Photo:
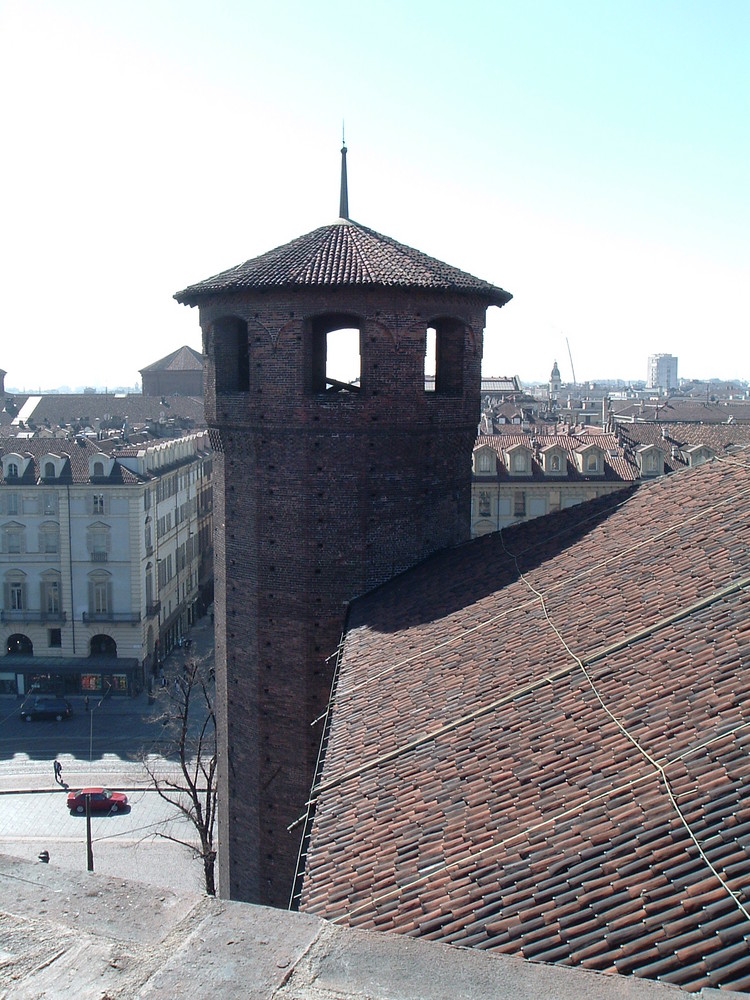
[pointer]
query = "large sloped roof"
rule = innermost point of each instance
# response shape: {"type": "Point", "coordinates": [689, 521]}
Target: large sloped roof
{"type": "Point", "coordinates": [344, 253]}
{"type": "Point", "coordinates": [54, 409]}
{"type": "Point", "coordinates": [184, 359]}
{"type": "Point", "coordinates": [539, 741]}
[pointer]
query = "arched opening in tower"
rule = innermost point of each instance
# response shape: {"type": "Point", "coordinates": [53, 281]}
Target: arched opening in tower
{"type": "Point", "coordinates": [444, 357]}
{"type": "Point", "coordinates": [230, 351]}
{"type": "Point", "coordinates": [337, 353]}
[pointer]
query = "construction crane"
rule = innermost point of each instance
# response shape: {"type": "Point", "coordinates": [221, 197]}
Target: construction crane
{"type": "Point", "coordinates": [571, 363]}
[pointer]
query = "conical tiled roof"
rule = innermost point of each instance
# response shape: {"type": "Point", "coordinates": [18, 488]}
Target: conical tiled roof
{"type": "Point", "coordinates": [342, 254]}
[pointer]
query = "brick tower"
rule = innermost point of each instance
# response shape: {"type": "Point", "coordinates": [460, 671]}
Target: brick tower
{"type": "Point", "coordinates": [325, 487]}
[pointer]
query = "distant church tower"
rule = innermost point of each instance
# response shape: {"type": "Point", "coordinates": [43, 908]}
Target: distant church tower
{"type": "Point", "coordinates": [555, 382]}
{"type": "Point", "coordinates": [326, 486]}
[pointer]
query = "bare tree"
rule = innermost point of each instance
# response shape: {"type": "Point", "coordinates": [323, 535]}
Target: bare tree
{"type": "Point", "coordinates": [189, 725]}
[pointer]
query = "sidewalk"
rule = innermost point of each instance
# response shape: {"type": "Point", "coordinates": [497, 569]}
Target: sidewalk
{"type": "Point", "coordinates": [28, 777]}
{"type": "Point", "coordinates": [24, 773]}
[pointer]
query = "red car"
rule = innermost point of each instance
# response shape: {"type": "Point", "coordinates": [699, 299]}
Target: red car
{"type": "Point", "coordinates": [102, 800]}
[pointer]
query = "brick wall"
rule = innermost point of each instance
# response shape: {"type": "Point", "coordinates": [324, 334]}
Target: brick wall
{"type": "Point", "coordinates": [319, 498]}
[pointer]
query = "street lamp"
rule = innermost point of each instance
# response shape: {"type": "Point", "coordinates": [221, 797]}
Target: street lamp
{"type": "Point", "coordinates": [91, 722]}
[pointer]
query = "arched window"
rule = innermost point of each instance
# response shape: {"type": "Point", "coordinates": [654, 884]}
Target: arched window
{"type": "Point", "coordinates": [19, 645]}
{"type": "Point", "coordinates": [98, 468]}
{"type": "Point", "coordinates": [103, 645]}
{"type": "Point", "coordinates": [444, 357]}
{"type": "Point", "coordinates": [49, 470]}
{"type": "Point", "coordinates": [336, 353]}
{"type": "Point", "coordinates": [555, 463]}
{"type": "Point", "coordinates": [592, 463]}
{"type": "Point", "coordinates": [231, 355]}
{"type": "Point", "coordinates": [12, 470]}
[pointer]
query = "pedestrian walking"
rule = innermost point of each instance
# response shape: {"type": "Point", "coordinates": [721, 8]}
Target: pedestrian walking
{"type": "Point", "coordinates": [58, 772]}
{"type": "Point", "coordinates": [86, 703]}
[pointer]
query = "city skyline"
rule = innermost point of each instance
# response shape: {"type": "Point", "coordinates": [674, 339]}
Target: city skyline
{"type": "Point", "coordinates": [587, 159]}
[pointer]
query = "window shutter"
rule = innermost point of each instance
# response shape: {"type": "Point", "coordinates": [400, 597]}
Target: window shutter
{"type": "Point", "coordinates": [91, 597]}
{"type": "Point", "coordinates": [109, 598]}
{"type": "Point", "coordinates": [24, 603]}
{"type": "Point", "coordinates": [6, 595]}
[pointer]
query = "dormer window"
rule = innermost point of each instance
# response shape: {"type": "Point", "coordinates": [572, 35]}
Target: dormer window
{"type": "Point", "coordinates": [14, 465]}
{"type": "Point", "coordinates": [553, 461]}
{"type": "Point", "coordinates": [100, 466]}
{"type": "Point", "coordinates": [518, 460]}
{"type": "Point", "coordinates": [485, 462]}
{"type": "Point", "coordinates": [590, 460]}
{"type": "Point", "coordinates": [650, 460]}
{"type": "Point", "coordinates": [698, 454]}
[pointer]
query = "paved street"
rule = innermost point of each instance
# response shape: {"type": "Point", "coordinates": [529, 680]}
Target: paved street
{"type": "Point", "coordinates": [103, 746]}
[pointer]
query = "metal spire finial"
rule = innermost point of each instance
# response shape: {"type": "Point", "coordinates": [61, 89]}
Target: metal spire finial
{"type": "Point", "coordinates": [344, 196]}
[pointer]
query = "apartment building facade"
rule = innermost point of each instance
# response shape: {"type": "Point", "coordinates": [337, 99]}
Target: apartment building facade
{"type": "Point", "coordinates": [519, 476]}
{"type": "Point", "coordinates": [105, 559]}
{"type": "Point", "coordinates": [662, 372]}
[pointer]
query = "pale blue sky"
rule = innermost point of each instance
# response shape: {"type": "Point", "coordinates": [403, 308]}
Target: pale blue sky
{"type": "Point", "coordinates": [590, 157]}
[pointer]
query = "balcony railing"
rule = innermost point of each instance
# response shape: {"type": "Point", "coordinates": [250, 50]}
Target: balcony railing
{"type": "Point", "coordinates": [153, 608]}
{"type": "Point", "coordinates": [33, 616]}
{"type": "Point", "coordinates": [99, 556]}
{"type": "Point", "coordinates": [111, 616]}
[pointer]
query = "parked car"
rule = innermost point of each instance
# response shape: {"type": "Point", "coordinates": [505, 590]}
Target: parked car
{"type": "Point", "coordinates": [102, 800]}
{"type": "Point", "coordinates": [46, 706]}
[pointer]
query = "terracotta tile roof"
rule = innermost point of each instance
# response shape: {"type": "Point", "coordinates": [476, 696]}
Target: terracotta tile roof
{"type": "Point", "coordinates": [184, 359]}
{"type": "Point", "coordinates": [683, 410]}
{"type": "Point", "coordinates": [618, 465]}
{"type": "Point", "coordinates": [343, 253]}
{"type": "Point", "coordinates": [540, 741]}
{"type": "Point", "coordinates": [722, 438]}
